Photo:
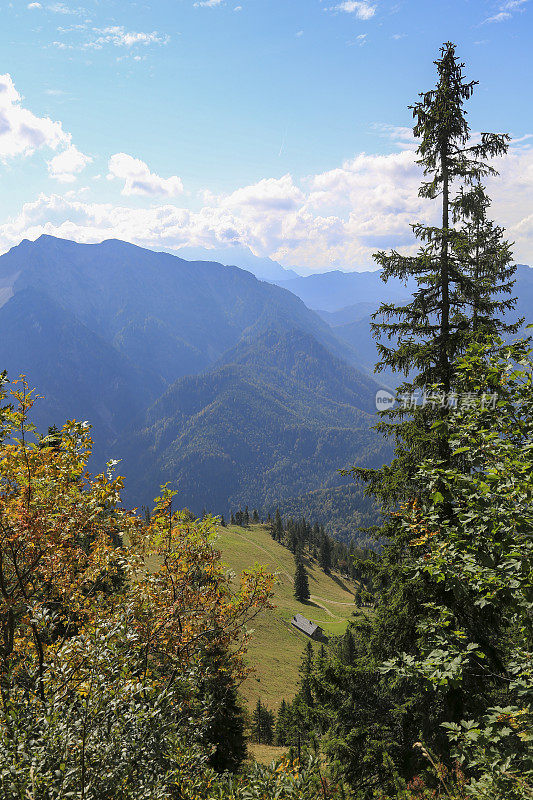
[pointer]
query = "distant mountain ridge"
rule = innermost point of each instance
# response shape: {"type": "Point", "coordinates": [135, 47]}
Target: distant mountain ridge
{"type": "Point", "coordinates": [188, 313]}
{"type": "Point", "coordinates": [334, 290]}
{"type": "Point", "coordinates": [348, 300]}
{"type": "Point", "coordinates": [237, 256]}
{"type": "Point", "coordinates": [191, 372]}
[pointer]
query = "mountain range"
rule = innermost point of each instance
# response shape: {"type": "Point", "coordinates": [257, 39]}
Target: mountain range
{"type": "Point", "coordinates": [266, 269]}
{"type": "Point", "coordinates": [195, 373]}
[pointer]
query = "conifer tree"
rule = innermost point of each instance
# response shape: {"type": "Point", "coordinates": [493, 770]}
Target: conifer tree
{"type": "Point", "coordinates": [306, 669]}
{"type": "Point", "coordinates": [277, 530]}
{"type": "Point", "coordinates": [452, 297]}
{"type": "Point", "coordinates": [324, 556]}
{"type": "Point", "coordinates": [282, 724]}
{"type": "Point", "coordinates": [348, 648]}
{"type": "Point", "coordinates": [293, 540]}
{"type": "Point", "coordinates": [226, 730]}
{"type": "Point", "coordinates": [262, 724]}
{"type": "Point", "coordinates": [257, 722]}
{"type": "Point", "coordinates": [464, 275]}
{"type": "Point", "coordinates": [301, 583]}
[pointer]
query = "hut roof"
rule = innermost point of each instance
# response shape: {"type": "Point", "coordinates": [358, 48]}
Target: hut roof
{"type": "Point", "coordinates": [305, 625]}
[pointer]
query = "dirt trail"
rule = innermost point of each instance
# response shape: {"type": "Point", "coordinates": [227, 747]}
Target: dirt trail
{"type": "Point", "coordinates": [335, 602]}
{"type": "Point", "coordinates": [272, 557]}
{"type": "Point", "coordinates": [315, 599]}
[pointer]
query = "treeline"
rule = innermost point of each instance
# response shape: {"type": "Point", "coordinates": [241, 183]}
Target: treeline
{"type": "Point", "coordinates": [242, 518]}
{"type": "Point", "coordinates": [291, 726]}
{"type": "Point", "coordinates": [345, 510]}
{"type": "Point", "coordinates": [295, 724]}
{"type": "Point", "coordinates": [301, 537]}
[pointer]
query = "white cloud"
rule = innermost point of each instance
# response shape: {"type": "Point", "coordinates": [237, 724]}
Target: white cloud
{"type": "Point", "coordinates": [361, 8]}
{"type": "Point", "coordinates": [62, 8]}
{"type": "Point", "coordinates": [34, 5]}
{"type": "Point", "coordinates": [501, 17]}
{"type": "Point", "coordinates": [21, 131]}
{"type": "Point", "coordinates": [208, 3]}
{"type": "Point", "coordinates": [66, 165]}
{"type": "Point", "coordinates": [506, 10]}
{"type": "Point", "coordinates": [334, 219]}
{"type": "Point", "coordinates": [138, 180]}
{"type": "Point", "coordinates": [399, 135]}
{"type": "Point", "coordinates": [118, 36]}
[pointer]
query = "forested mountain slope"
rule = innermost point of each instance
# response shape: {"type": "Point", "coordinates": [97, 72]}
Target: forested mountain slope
{"type": "Point", "coordinates": [80, 374]}
{"type": "Point", "coordinates": [276, 421]}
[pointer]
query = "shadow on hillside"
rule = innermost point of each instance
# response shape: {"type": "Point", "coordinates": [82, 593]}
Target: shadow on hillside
{"type": "Point", "coordinates": [312, 604]}
{"type": "Point", "coordinates": [341, 583]}
{"type": "Point", "coordinates": [309, 563]}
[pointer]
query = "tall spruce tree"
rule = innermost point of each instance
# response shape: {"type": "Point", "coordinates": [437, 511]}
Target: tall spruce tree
{"type": "Point", "coordinates": [226, 732]}
{"type": "Point", "coordinates": [301, 583]}
{"type": "Point", "coordinates": [277, 527]}
{"type": "Point", "coordinates": [324, 555]}
{"type": "Point", "coordinates": [262, 724]}
{"type": "Point", "coordinates": [282, 725]}
{"type": "Point", "coordinates": [462, 270]}
{"type": "Point", "coordinates": [306, 670]}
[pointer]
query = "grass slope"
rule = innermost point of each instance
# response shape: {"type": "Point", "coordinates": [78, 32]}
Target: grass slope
{"type": "Point", "coordinates": [276, 647]}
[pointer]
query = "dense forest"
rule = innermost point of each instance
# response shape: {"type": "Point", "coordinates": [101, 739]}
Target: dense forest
{"type": "Point", "coordinates": [123, 638]}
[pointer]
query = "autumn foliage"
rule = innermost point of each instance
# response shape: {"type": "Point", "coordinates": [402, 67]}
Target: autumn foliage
{"type": "Point", "coordinates": [107, 623]}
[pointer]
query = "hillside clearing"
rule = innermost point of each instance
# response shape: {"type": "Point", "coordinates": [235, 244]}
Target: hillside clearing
{"type": "Point", "coordinates": [276, 648]}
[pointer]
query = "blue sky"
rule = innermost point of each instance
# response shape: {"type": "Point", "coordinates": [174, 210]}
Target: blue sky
{"type": "Point", "coordinates": [279, 125]}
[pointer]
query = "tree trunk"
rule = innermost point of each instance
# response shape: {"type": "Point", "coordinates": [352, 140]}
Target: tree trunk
{"type": "Point", "coordinates": [445, 277]}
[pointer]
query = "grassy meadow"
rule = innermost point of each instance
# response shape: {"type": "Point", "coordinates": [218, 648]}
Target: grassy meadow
{"type": "Point", "coordinates": [276, 648]}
